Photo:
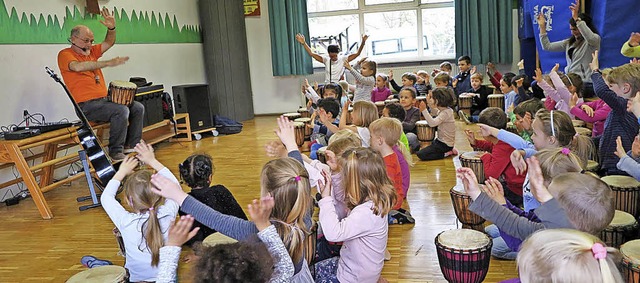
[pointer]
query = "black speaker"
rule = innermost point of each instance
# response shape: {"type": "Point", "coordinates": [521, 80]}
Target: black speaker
{"type": "Point", "coordinates": [194, 99]}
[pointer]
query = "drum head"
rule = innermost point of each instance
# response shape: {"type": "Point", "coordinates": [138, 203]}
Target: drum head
{"type": "Point", "coordinates": [472, 155]}
{"type": "Point", "coordinates": [298, 124]}
{"type": "Point", "coordinates": [422, 123]}
{"type": "Point", "coordinates": [322, 150]}
{"type": "Point", "coordinates": [621, 219]}
{"type": "Point", "coordinates": [463, 239]}
{"type": "Point", "coordinates": [123, 84]}
{"type": "Point", "coordinates": [421, 97]}
{"type": "Point", "coordinates": [496, 96]}
{"type": "Point", "coordinates": [106, 273]}
{"type": "Point", "coordinates": [291, 114]}
{"type": "Point", "coordinates": [217, 239]}
{"type": "Point", "coordinates": [303, 120]}
{"type": "Point", "coordinates": [379, 103]}
{"type": "Point", "coordinates": [631, 251]}
{"type": "Point", "coordinates": [592, 165]}
{"type": "Point", "coordinates": [620, 181]}
{"type": "Point", "coordinates": [303, 110]}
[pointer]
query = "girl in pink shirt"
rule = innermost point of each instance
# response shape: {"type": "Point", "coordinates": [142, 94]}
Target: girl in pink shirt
{"type": "Point", "coordinates": [370, 195]}
{"type": "Point", "coordinates": [381, 92]}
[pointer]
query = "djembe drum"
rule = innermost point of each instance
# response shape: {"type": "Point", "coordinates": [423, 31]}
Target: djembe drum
{"type": "Point", "coordinates": [472, 160]}
{"type": "Point", "coordinates": [577, 123]}
{"type": "Point", "coordinates": [461, 201]}
{"type": "Point", "coordinates": [307, 129]}
{"type": "Point", "coordinates": [496, 100]}
{"type": "Point", "coordinates": [623, 227]}
{"type": "Point", "coordinates": [583, 131]}
{"type": "Point", "coordinates": [592, 166]}
{"type": "Point", "coordinates": [390, 101]}
{"type": "Point", "coordinates": [512, 128]}
{"type": "Point", "coordinates": [100, 274]}
{"type": "Point", "coordinates": [631, 261]}
{"type": "Point", "coordinates": [292, 115]}
{"type": "Point", "coordinates": [122, 92]}
{"type": "Point", "coordinates": [299, 132]}
{"type": "Point", "coordinates": [627, 193]}
{"type": "Point", "coordinates": [425, 132]}
{"type": "Point", "coordinates": [465, 103]}
{"type": "Point", "coordinates": [463, 255]}
{"type": "Point", "coordinates": [349, 122]}
{"type": "Point", "coordinates": [322, 156]}
{"type": "Point", "coordinates": [420, 99]}
{"type": "Point", "coordinates": [304, 112]}
{"type": "Point", "coordinates": [217, 239]}
{"type": "Point", "coordinates": [380, 106]}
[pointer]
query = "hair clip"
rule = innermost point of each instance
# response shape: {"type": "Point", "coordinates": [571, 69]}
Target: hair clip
{"type": "Point", "coordinates": [565, 151]}
{"type": "Point", "coordinates": [298, 178]}
{"type": "Point", "coordinates": [151, 208]}
{"type": "Point", "coordinates": [599, 251]}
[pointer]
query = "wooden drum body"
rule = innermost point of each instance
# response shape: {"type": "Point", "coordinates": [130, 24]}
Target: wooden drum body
{"type": "Point", "coordinates": [627, 193]}
{"type": "Point", "coordinates": [100, 274]}
{"type": "Point", "coordinates": [623, 227]}
{"type": "Point", "coordinates": [425, 132]}
{"type": "Point", "coordinates": [631, 261]}
{"type": "Point", "coordinates": [463, 255]}
{"type": "Point", "coordinates": [465, 104]}
{"type": "Point", "coordinates": [322, 157]}
{"type": "Point", "coordinates": [349, 122]}
{"type": "Point", "coordinates": [380, 106]}
{"type": "Point", "coordinates": [578, 123]}
{"type": "Point", "coordinates": [304, 113]}
{"type": "Point", "coordinates": [307, 129]}
{"type": "Point", "coordinates": [299, 130]}
{"type": "Point", "coordinates": [461, 201]}
{"type": "Point", "coordinates": [496, 100]}
{"type": "Point", "coordinates": [472, 160]}
{"type": "Point", "coordinates": [419, 99]}
{"type": "Point", "coordinates": [122, 92]}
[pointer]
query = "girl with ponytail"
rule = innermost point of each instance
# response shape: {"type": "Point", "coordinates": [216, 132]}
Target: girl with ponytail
{"type": "Point", "coordinates": [144, 225]}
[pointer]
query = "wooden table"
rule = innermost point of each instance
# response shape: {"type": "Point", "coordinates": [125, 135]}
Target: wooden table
{"type": "Point", "coordinates": [11, 153]}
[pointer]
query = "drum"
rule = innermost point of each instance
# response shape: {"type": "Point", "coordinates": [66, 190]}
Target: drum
{"type": "Point", "coordinates": [304, 113]}
{"type": "Point", "coordinates": [217, 239]}
{"type": "Point", "coordinates": [99, 274]}
{"type": "Point", "coordinates": [583, 131]}
{"type": "Point", "coordinates": [322, 157]}
{"type": "Point", "coordinates": [299, 131]}
{"type": "Point", "coordinates": [631, 261]}
{"type": "Point", "coordinates": [122, 92]}
{"type": "Point", "coordinates": [393, 100]}
{"type": "Point", "coordinates": [425, 132]}
{"type": "Point", "coordinates": [420, 99]}
{"type": "Point", "coordinates": [623, 227]}
{"type": "Point", "coordinates": [463, 255]}
{"type": "Point", "coordinates": [380, 106]}
{"type": "Point", "coordinates": [292, 115]}
{"type": "Point", "coordinates": [496, 100]}
{"type": "Point", "coordinates": [592, 166]}
{"type": "Point", "coordinates": [461, 201]}
{"type": "Point", "coordinates": [307, 130]}
{"type": "Point", "coordinates": [627, 193]}
{"type": "Point", "coordinates": [349, 122]}
{"type": "Point", "coordinates": [472, 160]}
{"type": "Point", "coordinates": [512, 128]}
{"type": "Point", "coordinates": [465, 101]}
{"type": "Point", "coordinates": [578, 123]}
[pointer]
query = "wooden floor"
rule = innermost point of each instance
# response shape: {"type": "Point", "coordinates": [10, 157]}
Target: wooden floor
{"type": "Point", "coordinates": [36, 250]}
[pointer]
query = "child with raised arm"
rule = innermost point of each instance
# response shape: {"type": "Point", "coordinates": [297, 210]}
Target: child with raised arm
{"type": "Point", "coordinates": [408, 80]}
{"type": "Point", "coordinates": [364, 231]}
{"type": "Point", "coordinates": [333, 62]}
{"type": "Point", "coordinates": [364, 112]}
{"type": "Point", "coordinates": [423, 86]}
{"type": "Point", "coordinates": [365, 79]}
{"type": "Point", "coordinates": [144, 227]}
{"type": "Point", "coordinates": [442, 146]}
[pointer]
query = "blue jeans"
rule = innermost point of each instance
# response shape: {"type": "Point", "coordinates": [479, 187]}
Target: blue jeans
{"type": "Point", "coordinates": [499, 248]}
{"type": "Point", "coordinates": [125, 122]}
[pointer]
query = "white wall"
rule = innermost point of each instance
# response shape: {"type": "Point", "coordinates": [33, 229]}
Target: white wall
{"type": "Point", "coordinates": [25, 85]}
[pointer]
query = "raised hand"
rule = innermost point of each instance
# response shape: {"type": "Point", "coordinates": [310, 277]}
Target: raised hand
{"type": "Point", "coordinates": [491, 68]}
{"type": "Point", "coordinates": [518, 162]}
{"type": "Point", "coordinates": [493, 188]}
{"type": "Point", "coordinates": [109, 21]}
{"type": "Point", "coordinates": [275, 149]}
{"type": "Point", "coordinates": [180, 231]}
{"type": "Point", "coordinates": [473, 70]}
{"type": "Point", "coordinates": [574, 100]}
{"type": "Point", "coordinates": [594, 65]}
{"type": "Point", "coordinates": [519, 82]}
{"type": "Point", "coordinates": [542, 22]}
{"type": "Point", "coordinates": [364, 38]}
{"type": "Point", "coordinates": [126, 167]}
{"type": "Point", "coordinates": [575, 9]}
{"type": "Point", "coordinates": [521, 64]}
{"type": "Point", "coordinates": [539, 190]}
{"type": "Point", "coordinates": [286, 133]}
{"type": "Point", "coordinates": [634, 39]}
{"type": "Point", "coordinates": [470, 182]}
{"type": "Point", "coordinates": [555, 68]}
{"type": "Point", "coordinates": [471, 137]}
{"type": "Point", "coordinates": [587, 109]}
{"type": "Point", "coordinates": [620, 152]}
{"type": "Point", "coordinates": [145, 152]}
{"type": "Point", "coordinates": [331, 159]}
{"type": "Point", "coordinates": [635, 147]}
{"type": "Point", "coordinates": [538, 75]}
{"type": "Point", "coordinates": [487, 130]}
{"type": "Point", "coordinates": [117, 61]}
{"type": "Point", "coordinates": [260, 212]}
{"type": "Point", "coordinates": [324, 185]}
{"type": "Point", "coordinates": [300, 38]}
{"type": "Point", "coordinates": [422, 106]}
{"type": "Point", "coordinates": [390, 75]}
{"type": "Point", "coordinates": [347, 65]}
{"type": "Point", "coordinates": [362, 60]}
{"type": "Point", "coordinates": [166, 188]}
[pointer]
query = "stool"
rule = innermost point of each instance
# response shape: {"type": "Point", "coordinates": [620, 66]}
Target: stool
{"type": "Point", "coordinates": [183, 126]}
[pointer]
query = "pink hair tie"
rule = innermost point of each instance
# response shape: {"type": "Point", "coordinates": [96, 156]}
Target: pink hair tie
{"type": "Point", "coordinates": [565, 151]}
{"type": "Point", "coordinates": [599, 251]}
{"type": "Point", "coordinates": [151, 208]}
{"type": "Point", "coordinates": [297, 178]}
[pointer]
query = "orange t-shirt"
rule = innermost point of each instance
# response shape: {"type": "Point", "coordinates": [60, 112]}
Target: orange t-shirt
{"type": "Point", "coordinates": [395, 174]}
{"type": "Point", "coordinates": [82, 85]}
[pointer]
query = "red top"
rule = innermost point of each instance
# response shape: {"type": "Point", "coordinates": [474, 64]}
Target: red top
{"type": "Point", "coordinates": [497, 163]}
{"type": "Point", "coordinates": [83, 85]}
{"type": "Point", "coordinates": [395, 174]}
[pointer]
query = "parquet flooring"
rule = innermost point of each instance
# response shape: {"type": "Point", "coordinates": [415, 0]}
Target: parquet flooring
{"type": "Point", "coordinates": [36, 250]}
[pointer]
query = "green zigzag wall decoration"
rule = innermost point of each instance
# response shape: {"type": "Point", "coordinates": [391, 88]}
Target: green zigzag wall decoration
{"type": "Point", "coordinates": [135, 29]}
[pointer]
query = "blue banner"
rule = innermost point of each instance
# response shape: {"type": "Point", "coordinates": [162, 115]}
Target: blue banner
{"type": "Point", "coordinates": [557, 16]}
{"type": "Point", "coordinates": [525, 23]}
{"type": "Point", "coordinates": [614, 20]}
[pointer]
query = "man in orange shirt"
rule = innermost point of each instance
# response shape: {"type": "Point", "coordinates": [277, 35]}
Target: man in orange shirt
{"type": "Point", "coordinates": [83, 76]}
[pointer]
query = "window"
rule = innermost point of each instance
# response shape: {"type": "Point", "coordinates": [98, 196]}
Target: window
{"type": "Point", "coordinates": [399, 30]}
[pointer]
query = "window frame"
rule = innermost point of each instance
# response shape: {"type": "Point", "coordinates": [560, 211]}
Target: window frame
{"type": "Point", "coordinates": [414, 5]}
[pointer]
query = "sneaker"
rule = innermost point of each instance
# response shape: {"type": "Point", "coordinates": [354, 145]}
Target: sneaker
{"type": "Point", "coordinates": [387, 255]}
{"type": "Point", "coordinates": [464, 117]}
{"type": "Point", "coordinates": [452, 152]}
{"type": "Point", "coordinates": [90, 261]}
{"type": "Point", "coordinates": [128, 150]}
{"type": "Point", "coordinates": [397, 217]}
{"type": "Point", "coordinates": [117, 156]}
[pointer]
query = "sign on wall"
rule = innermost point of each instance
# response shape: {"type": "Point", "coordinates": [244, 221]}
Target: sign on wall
{"type": "Point", "coordinates": [251, 8]}
{"type": "Point", "coordinates": [134, 27]}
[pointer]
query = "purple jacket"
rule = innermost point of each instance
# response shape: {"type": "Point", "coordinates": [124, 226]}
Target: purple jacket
{"type": "Point", "coordinates": [512, 242]}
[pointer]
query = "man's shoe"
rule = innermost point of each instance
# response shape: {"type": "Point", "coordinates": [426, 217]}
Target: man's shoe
{"type": "Point", "coordinates": [117, 156]}
{"type": "Point", "coordinates": [91, 261]}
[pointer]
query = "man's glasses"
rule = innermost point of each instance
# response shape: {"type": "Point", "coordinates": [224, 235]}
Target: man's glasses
{"type": "Point", "coordinates": [85, 40]}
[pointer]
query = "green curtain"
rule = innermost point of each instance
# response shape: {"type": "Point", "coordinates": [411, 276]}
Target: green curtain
{"type": "Point", "coordinates": [286, 19]}
{"type": "Point", "coordinates": [484, 30]}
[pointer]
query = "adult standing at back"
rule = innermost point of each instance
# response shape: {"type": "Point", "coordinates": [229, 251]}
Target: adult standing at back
{"type": "Point", "coordinates": [333, 62]}
{"type": "Point", "coordinates": [82, 73]}
{"type": "Point", "coordinates": [578, 48]}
